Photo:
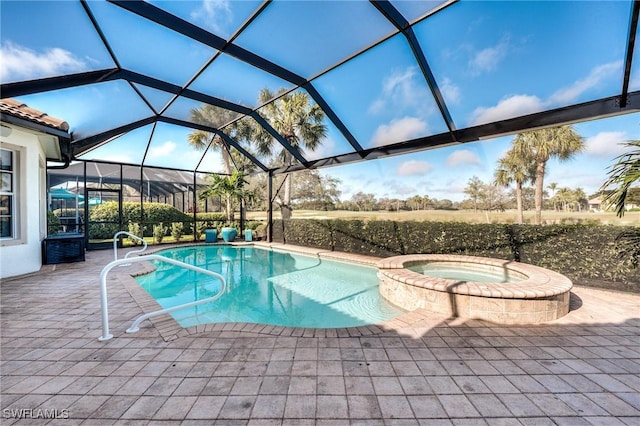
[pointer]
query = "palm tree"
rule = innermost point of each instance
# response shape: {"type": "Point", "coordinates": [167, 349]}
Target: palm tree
{"type": "Point", "coordinates": [540, 145]}
{"type": "Point", "coordinates": [216, 117]}
{"type": "Point", "coordinates": [564, 196]}
{"type": "Point", "coordinates": [622, 174]}
{"type": "Point", "coordinates": [553, 186]}
{"type": "Point", "coordinates": [300, 122]}
{"type": "Point", "coordinates": [512, 168]}
{"type": "Point", "coordinates": [231, 188]}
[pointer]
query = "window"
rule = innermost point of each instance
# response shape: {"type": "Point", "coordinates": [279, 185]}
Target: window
{"type": "Point", "coordinates": [8, 171]}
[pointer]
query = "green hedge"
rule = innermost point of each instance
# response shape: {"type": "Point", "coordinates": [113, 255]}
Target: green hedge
{"type": "Point", "coordinates": [152, 214]}
{"type": "Point", "coordinates": [589, 254]}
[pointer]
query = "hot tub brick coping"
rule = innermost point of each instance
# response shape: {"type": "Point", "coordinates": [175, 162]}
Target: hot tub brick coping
{"type": "Point", "coordinates": [540, 283]}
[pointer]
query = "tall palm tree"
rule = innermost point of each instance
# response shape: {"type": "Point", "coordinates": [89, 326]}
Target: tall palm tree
{"type": "Point", "coordinates": [300, 122]}
{"type": "Point", "coordinates": [514, 169]}
{"type": "Point", "coordinates": [216, 117]}
{"type": "Point", "coordinates": [540, 145]}
{"type": "Point", "coordinates": [622, 175]}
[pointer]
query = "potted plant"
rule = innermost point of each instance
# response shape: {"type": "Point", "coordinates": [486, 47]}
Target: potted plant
{"type": "Point", "coordinates": [230, 188]}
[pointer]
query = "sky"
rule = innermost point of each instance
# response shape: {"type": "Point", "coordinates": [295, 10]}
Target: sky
{"type": "Point", "coordinates": [443, 173]}
{"type": "Point", "coordinates": [491, 60]}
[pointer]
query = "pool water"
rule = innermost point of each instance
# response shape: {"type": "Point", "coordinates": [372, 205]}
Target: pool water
{"type": "Point", "coordinates": [268, 287]}
{"type": "Point", "coordinates": [459, 271]}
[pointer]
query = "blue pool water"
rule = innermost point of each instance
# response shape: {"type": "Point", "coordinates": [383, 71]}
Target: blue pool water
{"type": "Point", "coordinates": [268, 287]}
{"type": "Point", "coordinates": [460, 271]}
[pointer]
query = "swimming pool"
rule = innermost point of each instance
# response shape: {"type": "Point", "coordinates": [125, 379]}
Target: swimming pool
{"type": "Point", "coordinates": [268, 287]}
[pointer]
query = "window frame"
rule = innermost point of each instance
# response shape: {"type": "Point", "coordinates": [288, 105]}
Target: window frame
{"type": "Point", "coordinates": [18, 234]}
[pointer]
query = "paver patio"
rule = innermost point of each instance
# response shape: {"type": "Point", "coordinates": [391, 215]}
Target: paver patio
{"type": "Point", "coordinates": [583, 369]}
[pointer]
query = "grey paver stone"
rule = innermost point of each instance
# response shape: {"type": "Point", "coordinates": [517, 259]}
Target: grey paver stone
{"type": "Point", "coordinates": [387, 386]}
{"type": "Point", "coordinates": [302, 385]}
{"type": "Point", "coordinates": [331, 385]}
{"type": "Point", "coordinates": [237, 407]}
{"type": "Point", "coordinates": [331, 406]}
{"type": "Point", "coordinates": [363, 407]}
{"type": "Point", "coordinates": [175, 408]}
{"type": "Point", "coordinates": [551, 405]}
{"type": "Point", "coordinates": [395, 407]}
{"type": "Point", "coordinates": [458, 406]}
{"type": "Point", "coordinates": [145, 407]}
{"type": "Point", "coordinates": [206, 407]}
{"type": "Point", "coordinates": [613, 405]}
{"type": "Point", "coordinates": [300, 407]}
{"type": "Point", "coordinates": [520, 405]}
{"type": "Point", "coordinates": [427, 407]}
{"type": "Point", "coordinates": [269, 406]}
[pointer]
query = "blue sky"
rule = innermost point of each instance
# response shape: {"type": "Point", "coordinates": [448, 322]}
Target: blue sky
{"type": "Point", "coordinates": [491, 60]}
{"type": "Point", "coordinates": [443, 173]}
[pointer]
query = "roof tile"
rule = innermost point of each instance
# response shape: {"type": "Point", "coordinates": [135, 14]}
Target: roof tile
{"type": "Point", "coordinates": [18, 109]}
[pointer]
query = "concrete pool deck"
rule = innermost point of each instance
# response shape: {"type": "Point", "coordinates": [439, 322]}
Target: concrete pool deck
{"type": "Point", "coordinates": [583, 368]}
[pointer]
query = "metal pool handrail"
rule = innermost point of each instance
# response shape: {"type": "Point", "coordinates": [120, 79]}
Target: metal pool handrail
{"type": "Point", "coordinates": [130, 235]}
{"type": "Point", "coordinates": [134, 327]}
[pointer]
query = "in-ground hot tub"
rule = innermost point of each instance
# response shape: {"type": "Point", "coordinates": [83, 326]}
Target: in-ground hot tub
{"type": "Point", "coordinates": [501, 291]}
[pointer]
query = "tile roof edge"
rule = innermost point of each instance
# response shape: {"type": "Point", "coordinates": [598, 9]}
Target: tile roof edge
{"type": "Point", "coordinates": [20, 110]}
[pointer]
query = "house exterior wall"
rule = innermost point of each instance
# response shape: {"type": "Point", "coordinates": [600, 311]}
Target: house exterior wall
{"type": "Point", "coordinates": [23, 254]}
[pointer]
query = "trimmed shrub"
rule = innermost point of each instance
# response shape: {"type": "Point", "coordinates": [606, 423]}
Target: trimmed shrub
{"type": "Point", "coordinates": [492, 240]}
{"type": "Point", "coordinates": [177, 230]}
{"type": "Point", "coordinates": [134, 229]}
{"type": "Point", "coordinates": [305, 233]}
{"type": "Point", "coordinates": [199, 230]}
{"type": "Point", "coordinates": [159, 231]}
{"type": "Point", "coordinates": [589, 254]}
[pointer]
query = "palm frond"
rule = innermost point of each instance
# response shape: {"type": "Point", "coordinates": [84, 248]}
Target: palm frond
{"type": "Point", "coordinates": [622, 174]}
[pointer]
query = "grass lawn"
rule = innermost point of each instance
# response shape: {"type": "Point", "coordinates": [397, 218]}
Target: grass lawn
{"type": "Point", "coordinates": [509, 216]}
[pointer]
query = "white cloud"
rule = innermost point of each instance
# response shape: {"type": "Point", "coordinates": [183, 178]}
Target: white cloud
{"type": "Point", "coordinates": [325, 149]}
{"type": "Point", "coordinates": [606, 144]}
{"type": "Point", "coordinates": [399, 90]}
{"type": "Point", "coordinates": [21, 63]}
{"type": "Point", "coordinates": [518, 105]}
{"type": "Point", "coordinates": [462, 156]}
{"type": "Point", "coordinates": [597, 74]}
{"type": "Point", "coordinates": [450, 91]}
{"type": "Point", "coordinates": [413, 168]}
{"type": "Point", "coordinates": [488, 59]}
{"type": "Point", "coordinates": [513, 106]}
{"type": "Point", "coordinates": [377, 106]}
{"type": "Point", "coordinates": [163, 150]}
{"type": "Point", "coordinates": [214, 15]}
{"type": "Point", "coordinates": [399, 130]}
